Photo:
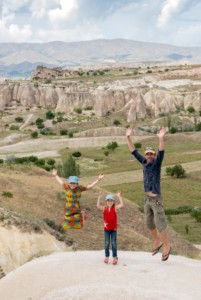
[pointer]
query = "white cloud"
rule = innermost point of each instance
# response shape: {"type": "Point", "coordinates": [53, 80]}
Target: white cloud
{"type": "Point", "coordinates": [169, 8]}
{"type": "Point", "coordinates": [162, 21]}
{"type": "Point", "coordinates": [57, 15]}
{"type": "Point", "coordinates": [39, 8]}
{"type": "Point", "coordinates": [13, 33]}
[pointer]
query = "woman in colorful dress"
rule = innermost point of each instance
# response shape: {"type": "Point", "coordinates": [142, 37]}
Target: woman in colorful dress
{"type": "Point", "coordinates": [72, 211]}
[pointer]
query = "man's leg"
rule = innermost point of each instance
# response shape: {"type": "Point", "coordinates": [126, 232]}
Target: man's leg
{"type": "Point", "coordinates": [166, 246]}
{"type": "Point", "coordinates": [149, 217]}
{"type": "Point", "coordinates": [155, 237]}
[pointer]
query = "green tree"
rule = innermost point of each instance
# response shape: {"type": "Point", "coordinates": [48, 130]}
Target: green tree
{"type": "Point", "coordinates": [39, 121]}
{"type": "Point", "coordinates": [177, 171]}
{"type": "Point", "coordinates": [112, 146]}
{"type": "Point", "coordinates": [34, 134]}
{"type": "Point", "coordinates": [173, 130]}
{"type": "Point", "coordinates": [116, 122]}
{"type": "Point", "coordinates": [68, 167]}
{"type": "Point", "coordinates": [76, 154]}
{"type": "Point", "coordinates": [19, 119]}
{"type": "Point", "coordinates": [49, 115]}
{"type": "Point", "coordinates": [138, 146]}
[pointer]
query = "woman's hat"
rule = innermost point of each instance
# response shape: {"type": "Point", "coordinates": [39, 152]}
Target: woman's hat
{"type": "Point", "coordinates": [72, 179]}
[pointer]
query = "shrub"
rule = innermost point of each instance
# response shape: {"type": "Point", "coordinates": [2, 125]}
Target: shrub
{"type": "Point", "coordinates": [191, 109]}
{"type": "Point", "coordinates": [76, 154]}
{"type": "Point", "coordinates": [198, 127]}
{"type": "Point", "coordinates": [173, 130]}
{"type": "Point", "coordinates": [179, 210]}
{"type": "Point", "coordinates": [63, 132]}
{"type": "Point", "coordinates": [19, 119]}
{"type": "Point", "coordinates": [33, 158]}
{"type": "Point", "coordinates": [88, 108]}
{"type": "Point", "coordinates": [14, 127]}
{"type": "Point", "coordinates": [116, 122]}
{"type": "Point", "coordinates": [1, 161]}
{"type": "Point", "coordinates": [51, 162]}
{"type": "Point", "coordinates": [59, 119]}
{"type": "Point", "coordinates": [40, 162]}
{"type": "Point", "coordinates": [177, 171]}
{"type": "Point", "coordinates": [7, 194]}
{"type": "Point", "coordinates": [70, 134]}
{"type": "Point", "coordinates": [40, 126]}
{"type": "Point", "coordinates": [138, 145]}
{"type": "Point", "coordinates": [78, 110]}
{"type": "Point", "coordinates": [112, 146]}
{"type": "Point", "coordinates": [196, 214]}
{"type": "Point", "coordinates": [39, 121]}
{"type": "Point", "coordinates": [34, 134]}
{"type": "Point", "coordinates": [106, 153]}
{"type": "Point", "coordinates": [49, 115]}
{"type": "Point", "coordinates": [48, 80]}
{"type": "Point", "coordinates": [186, 229]}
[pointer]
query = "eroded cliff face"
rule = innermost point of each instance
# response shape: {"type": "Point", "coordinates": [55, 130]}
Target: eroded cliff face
{"type": "Point", "coordinates": [137, 100]}
{"type": "Point", "coordinates": [21, 240]}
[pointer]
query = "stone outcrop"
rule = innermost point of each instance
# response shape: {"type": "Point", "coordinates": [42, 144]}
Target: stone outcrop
{"type": "Point", "coordinates": [22, 240]}
{"type": "Point", "coordinates": [138, 100]}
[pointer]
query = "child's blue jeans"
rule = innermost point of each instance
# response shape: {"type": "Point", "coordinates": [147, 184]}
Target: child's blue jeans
{"type": "Point", "coordinates": [110, 236]}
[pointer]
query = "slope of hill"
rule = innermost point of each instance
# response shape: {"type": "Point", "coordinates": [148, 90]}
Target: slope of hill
{"type": "Point", "coordinates": [36, 196]}
{"type": "Point", "coordinates": [14, 58]}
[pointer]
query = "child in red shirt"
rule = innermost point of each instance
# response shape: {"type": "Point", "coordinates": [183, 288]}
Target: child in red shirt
{"type": "Point", "coordinates": [110, 224]}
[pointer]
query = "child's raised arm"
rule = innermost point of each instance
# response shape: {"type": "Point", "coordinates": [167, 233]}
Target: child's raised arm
{"type": "Point", "coordinates": [121, 203]}
{"type": "Point", "coordinates": [59, 180]}
{"type": "Point", "coordinates": [99, 206]}
{"type": "Point", "coordinates": [90, 186]}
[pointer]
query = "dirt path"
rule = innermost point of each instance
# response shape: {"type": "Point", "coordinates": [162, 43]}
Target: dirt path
{"type": "Point", "coordinates": [41, 145]}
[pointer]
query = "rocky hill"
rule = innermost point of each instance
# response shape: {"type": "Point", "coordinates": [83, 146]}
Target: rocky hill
{"type": "Point", "coordinates": [148, 96]}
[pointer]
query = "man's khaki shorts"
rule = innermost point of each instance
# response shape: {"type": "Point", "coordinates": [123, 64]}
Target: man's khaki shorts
{"type": "Point", "coordinates": [154, 213]}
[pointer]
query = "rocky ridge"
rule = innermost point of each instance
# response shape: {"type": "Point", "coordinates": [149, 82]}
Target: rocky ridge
{"type": "Point", "coordinates": [138, 98]}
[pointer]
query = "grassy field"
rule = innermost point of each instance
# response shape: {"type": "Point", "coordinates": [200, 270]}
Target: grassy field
{"type": "Point", "coordinates": [176, 193]}
{"type": "Point", "coordinates": [179, 149]}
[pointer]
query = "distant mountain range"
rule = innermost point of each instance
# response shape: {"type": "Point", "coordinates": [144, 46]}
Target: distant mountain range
{"type": "Point", "coordinates": [21, 59]}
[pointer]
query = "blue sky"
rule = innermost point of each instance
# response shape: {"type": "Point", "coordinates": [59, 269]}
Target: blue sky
{"type": "Point", "coordinates": [175, 22]}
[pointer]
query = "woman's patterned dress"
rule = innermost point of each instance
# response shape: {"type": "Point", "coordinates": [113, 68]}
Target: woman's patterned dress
{"type": "Point", "coordinates": [73, 216]}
